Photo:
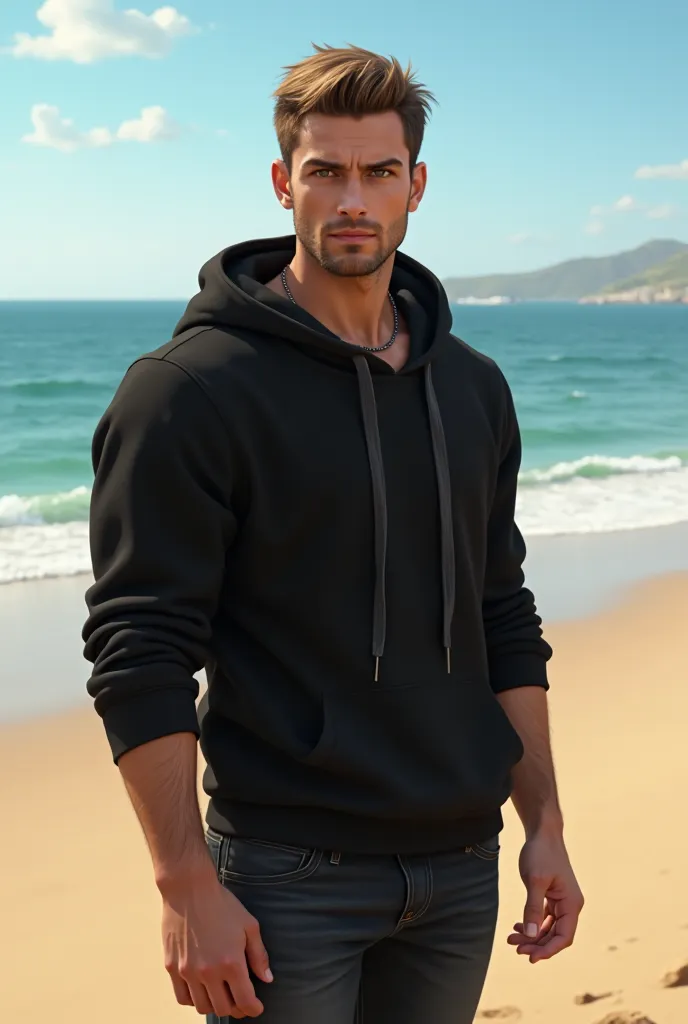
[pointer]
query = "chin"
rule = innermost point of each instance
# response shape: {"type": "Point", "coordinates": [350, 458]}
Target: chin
{"type": "Point", "coordinates": [351, 264]}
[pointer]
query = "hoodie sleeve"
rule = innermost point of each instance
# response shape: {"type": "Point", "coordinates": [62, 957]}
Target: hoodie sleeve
{"type": "Point", "coordinates": [160, 527]}
{"type": "Point", "coordinates": [517, 653]}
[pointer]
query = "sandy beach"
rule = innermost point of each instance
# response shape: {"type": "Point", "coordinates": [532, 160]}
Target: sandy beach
{"type": "Point", "coordinates": [81, 916]}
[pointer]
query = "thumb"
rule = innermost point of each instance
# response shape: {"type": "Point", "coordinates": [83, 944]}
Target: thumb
{"type": "Point", "coordinates": [256, 953]}
{"type": "Point", "coordinates": [534, 910]}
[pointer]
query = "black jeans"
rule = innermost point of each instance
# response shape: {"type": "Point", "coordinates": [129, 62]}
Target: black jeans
{"type": "Point", "coordinates": [358, 939]}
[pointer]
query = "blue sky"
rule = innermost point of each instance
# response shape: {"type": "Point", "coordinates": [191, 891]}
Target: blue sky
{"type": "Point", "coordinates": [547, 112]}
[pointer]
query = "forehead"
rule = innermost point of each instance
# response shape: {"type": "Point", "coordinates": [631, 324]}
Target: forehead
{"type": "Point", "coordinates": [374, 136]}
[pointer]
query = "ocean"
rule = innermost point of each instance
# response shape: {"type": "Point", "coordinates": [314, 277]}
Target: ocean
{"type": "Point", "coordinates": [601, 394]}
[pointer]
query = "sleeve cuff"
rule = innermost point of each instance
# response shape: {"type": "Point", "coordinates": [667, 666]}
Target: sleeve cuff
{"type": "Point", "coordinates": [515, 670]}
{"type": "Point", "coordinates": [149, 716]}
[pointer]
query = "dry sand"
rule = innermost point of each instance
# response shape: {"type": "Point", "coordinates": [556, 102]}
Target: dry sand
{"type": "Point", "coordinates": [81, 916]}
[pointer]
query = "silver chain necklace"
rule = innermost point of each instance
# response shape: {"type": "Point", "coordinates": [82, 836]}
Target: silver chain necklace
{"type": "Point", "coordinates": [361, 348]}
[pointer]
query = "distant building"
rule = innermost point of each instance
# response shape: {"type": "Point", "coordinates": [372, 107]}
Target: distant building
{"type": "Point", "coordinates": [646, 295]}
{"type": "Point", "coordinates": [493, 300]}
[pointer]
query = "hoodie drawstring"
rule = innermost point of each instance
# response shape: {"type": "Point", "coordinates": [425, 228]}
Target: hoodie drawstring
{"type": "Point", "coordinates": [377, 473]}
{"type": "Point", "coordinates": [439, 445]}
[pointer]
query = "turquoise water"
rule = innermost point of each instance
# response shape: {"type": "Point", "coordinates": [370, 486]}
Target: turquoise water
{"type": "Point", "coordinates": [601, 394]}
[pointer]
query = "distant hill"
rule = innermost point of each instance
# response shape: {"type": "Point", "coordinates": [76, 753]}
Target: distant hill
{"type": "Point", "coordinates": [672, 273]}
{"type": "Point", "coordinates": [570, 280]}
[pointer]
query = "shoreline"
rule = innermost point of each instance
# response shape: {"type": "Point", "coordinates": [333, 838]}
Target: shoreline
{"type": "Point", "coordinates": [574, 575]}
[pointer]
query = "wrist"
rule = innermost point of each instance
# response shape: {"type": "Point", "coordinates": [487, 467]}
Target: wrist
{"type": "Point", "coordinates": [192, 872]}
{"type": "Point", "coordinates": [548, 824]}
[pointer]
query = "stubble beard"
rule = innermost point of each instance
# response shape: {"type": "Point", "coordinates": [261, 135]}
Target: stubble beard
{"type": "Point", "coordinates": [352, 263]}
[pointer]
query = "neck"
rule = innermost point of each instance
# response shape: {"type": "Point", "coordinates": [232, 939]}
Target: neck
{"type": "Point", "coordinates": [356, 309]}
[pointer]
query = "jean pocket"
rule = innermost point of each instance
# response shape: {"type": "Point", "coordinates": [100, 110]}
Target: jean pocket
{"type": "Point", "coordinates": [258, 862]}
{"type": "Point", "coordinates": [487, 850]}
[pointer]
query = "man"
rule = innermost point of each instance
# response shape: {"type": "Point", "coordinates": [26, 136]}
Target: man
{"type": "Point", "coordinates": [310, 491]}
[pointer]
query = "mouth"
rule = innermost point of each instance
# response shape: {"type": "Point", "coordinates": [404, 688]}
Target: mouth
{"type": "Point", "coordinates": [353, 236]}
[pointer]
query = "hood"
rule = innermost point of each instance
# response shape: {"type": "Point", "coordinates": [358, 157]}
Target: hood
{"type": "Point", "coordinates": [233, 296]}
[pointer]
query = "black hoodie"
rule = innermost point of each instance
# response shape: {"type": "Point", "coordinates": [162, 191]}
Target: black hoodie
{"type": "Point", "coordinates": [335, 542]}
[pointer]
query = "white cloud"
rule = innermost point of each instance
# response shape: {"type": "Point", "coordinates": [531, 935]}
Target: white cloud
{"type": "Point", "coordinates": [663, 212]}
{"type": "Point", "coordinates": [154, 125]}
{"type": "Point", "coordinates": [674, 171]}
{"type": "Point", "coordinates": [222, 132]}
{"type": "Point", "coordinates": [519, 238]}
{"type": "Point", "coordinates": [56, 132]}
{"type": "Point", "coordinates": [60, 133]}
{"type": "Point", "coordinates": [594, 227]}
{"type": "Point", "coordinates": [84, 31]}
{"type": "Point", "coordinates": [625, 204]}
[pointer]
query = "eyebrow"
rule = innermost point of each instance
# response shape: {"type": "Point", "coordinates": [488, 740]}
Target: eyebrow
{"type": "Point", "coordinates": [333, 165]}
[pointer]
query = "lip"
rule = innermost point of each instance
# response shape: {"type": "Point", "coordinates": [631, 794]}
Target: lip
{"type": "Point", "coordinates": [352, 235]}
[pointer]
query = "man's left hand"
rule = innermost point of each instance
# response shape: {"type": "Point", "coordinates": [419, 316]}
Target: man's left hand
{"type": "Point", "coordinates": [554, 899]}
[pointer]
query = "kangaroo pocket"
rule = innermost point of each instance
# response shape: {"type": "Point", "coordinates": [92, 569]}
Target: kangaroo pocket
{"type": "Point", "coordinates": [434, 751]}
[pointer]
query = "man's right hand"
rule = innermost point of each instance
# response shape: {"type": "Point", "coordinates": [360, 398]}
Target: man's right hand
{"type": "Point", "coordinates": [210, 941]}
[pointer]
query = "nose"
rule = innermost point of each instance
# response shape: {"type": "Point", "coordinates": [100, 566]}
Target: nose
{"type": "Point", "coordinates": [351, 203]}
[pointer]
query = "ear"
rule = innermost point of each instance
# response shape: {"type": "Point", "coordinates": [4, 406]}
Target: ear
{"type": "Point", "coordinates": [419, 179]}
{"type": "Point", "coordinates": [281, 184]}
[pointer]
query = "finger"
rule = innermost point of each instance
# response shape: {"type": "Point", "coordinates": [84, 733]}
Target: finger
{"type": "Point", "coordinates": [535, 906]}
{"type": "Point", "coordinates": [549, 912]}
{"type": "Point", "coordinates": [221, 998]}
{"type": "Point", "coordinates": [201, 999]}
{"type": "Point", "coordinates": [243, 992]}
{"type": "Point", "coordinates": [518, 937]}
{"type": "Point", "coordinates": [527, 949]}
{"type": "Point", "coordinates": [181, 991]}
{"type": "Point", "coordinates": [567, 923]}
{"type": "Point", "coordinates": [561, 937]}
{"type": "Point", "coordinates": [547, 926]}
{"type": "Point", "coordinates": [256, 953]}
{"type": "Point", "coordinates": [550, 949]}
{"type": "Point", "coordinates": [522, 943]}
{"type": "Point", "coordinates": [519, 929]}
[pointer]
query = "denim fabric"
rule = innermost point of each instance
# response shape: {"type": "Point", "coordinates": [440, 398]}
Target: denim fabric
{"type": "Point", "coordinates": [362, 939]}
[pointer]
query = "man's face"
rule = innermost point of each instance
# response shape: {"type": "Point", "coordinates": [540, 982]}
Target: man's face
{"type": "Point", "coordinates": [351, 190]}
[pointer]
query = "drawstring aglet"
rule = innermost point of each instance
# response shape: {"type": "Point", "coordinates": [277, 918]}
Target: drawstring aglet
{"type": "Point", "coordinates": [377, 668]}
{"type": "Point", "coordinates": [449, 660]}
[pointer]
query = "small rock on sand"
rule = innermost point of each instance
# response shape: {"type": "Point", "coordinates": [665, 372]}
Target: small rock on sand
{"type": "Point", "coordinates": [509, 1013]}
{"type": "Point", "coordinates": [626, 1017]}
{"type": "Point", "coordinates": [677, 978]}
{"type": "Point", "coordinates": [588, 997]}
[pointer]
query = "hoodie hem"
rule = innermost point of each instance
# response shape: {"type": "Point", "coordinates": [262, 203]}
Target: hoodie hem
{"type": "Point", "coordinates": [325, 829]}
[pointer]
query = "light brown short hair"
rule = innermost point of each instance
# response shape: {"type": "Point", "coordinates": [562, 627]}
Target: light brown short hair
{"type": "Point", "coordinates": [349, 82]}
